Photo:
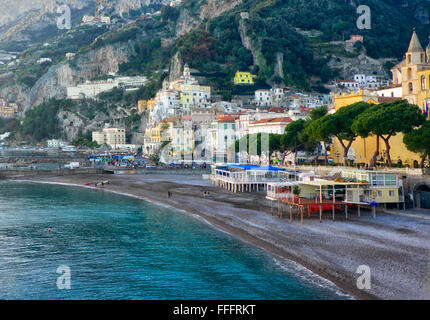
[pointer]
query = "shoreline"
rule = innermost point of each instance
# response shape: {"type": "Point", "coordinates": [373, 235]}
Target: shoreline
{"type": "Point", "coordinates": [345, 282]}
{"type": "Point", "coordinates": [235, 232]}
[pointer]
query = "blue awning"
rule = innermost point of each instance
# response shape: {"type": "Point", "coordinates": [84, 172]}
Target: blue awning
{"type": "Point", "coordinates": [255, 167]}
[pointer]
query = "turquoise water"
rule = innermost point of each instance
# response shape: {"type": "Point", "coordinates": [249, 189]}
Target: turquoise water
{"type": "Point", "coordinates": [120, 248]}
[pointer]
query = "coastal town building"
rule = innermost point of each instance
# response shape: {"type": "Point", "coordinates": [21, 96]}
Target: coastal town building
{"type": "Point", "coordinates": [113, 137]}
{"type": "Point", "coordinates": [248, 178]}
{"type": "Point", "coordinates": [153, 137]}
{"type": "Point", "coordinates": [363, 81]}
{"type": "Point", "coordinates": [55, 143]}
{"type": "Point", "coordinates": [242, 77]}
{"type": "Point", "coordinates": [393, 91]}
{"type": "Point", "coordinates": [91, 89]}
{"type": "Point", "coordinates": [270, 125]}
{"type": "Point", "coordinates": [222, 134]}
{"type": "Point", "coordinates": [182, 140]}
{"type": "Point", "coordinates": [348, 188]}
{"type": "Point", "coordinates": [263, 98]}
{"type": "Point", "coordinates": [413, 74]}
{"type": "Point", "coordinates": [8, 110]}
{"type": "Point", "coordinates": [42, 60]}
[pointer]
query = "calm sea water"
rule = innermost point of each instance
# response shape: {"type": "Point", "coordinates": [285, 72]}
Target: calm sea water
{"type": "Point", "coordinates": [120, 248]}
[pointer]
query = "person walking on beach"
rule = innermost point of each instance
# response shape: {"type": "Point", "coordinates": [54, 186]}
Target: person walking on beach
{"type": "Point", "coordinates": [169, 194]}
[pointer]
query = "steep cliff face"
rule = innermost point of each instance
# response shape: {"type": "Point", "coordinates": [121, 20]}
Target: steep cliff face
{"type": "Point", "coordinates": [120, 7]}
{"type": "Point", "coordinates": [186, 22]}
{"type": "Point", "coordinates": [208, 9]}
{"type": "Point", "coordinates": [214, 8]}
{"type": "Point", "coordinates": [12, 10]}
{"type": "Point", "coordinates": [54, 83]}
{"type": "Point", "coordinates": [176, 67]}
{"type": "Point", "coordinates": [246, 40]}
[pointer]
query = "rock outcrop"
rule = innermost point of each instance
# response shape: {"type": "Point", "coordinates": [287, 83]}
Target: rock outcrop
{"type": "Point", "coordinates": [54, 83]}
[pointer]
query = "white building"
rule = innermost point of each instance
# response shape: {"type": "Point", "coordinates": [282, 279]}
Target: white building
{"type": "Point", "coordinates": [222, 135]}
{"type": "Point", "coordinates": [363, 81]}
{"type": "Point", "coordinates": [91, 89]}
{"type": "Point", "coordinates": [55, 143]}
{"type": "Point", "coordinates": [182, 140]}
{"type": "Point", "coordinates": [243, 121]}
{"type": "Point", "coordinates": [392, 91]}
{"type": "Point", "coordinates": [166, 105]}
{"type": "Point", "coordinates": [42, 60]}
{"type": "Point", "coordinates": [263, 98]}
{"type": "Point", "coordinates": [271, 125]}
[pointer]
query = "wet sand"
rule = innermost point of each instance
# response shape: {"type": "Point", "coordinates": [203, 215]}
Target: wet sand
{"type": "Point", "coordinates": [396, 248]}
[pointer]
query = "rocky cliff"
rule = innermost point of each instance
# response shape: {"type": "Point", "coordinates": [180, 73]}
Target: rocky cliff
{"type": "Point", "coordinates": [54, 83]}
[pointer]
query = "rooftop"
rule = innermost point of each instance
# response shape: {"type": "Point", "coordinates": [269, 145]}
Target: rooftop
{"type": "Point", "coordinates": [273, 120]}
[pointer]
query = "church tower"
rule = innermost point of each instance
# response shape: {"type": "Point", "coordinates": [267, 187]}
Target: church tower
{"type": "Point", "coordinates": [415, 54]}
{"type": "Point", "coordinates": [428, 52]}
{"type": "Point", "coordinates": [415, 61]}
{"type": "Point", "coordinates": [187, 73]}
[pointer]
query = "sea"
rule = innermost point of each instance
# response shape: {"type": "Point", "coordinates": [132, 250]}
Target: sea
{"type": "Point", "coordinates": [62, 242]}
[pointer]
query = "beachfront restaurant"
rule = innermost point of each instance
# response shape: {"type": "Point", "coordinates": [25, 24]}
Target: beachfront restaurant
{"type": "Point", "coordinates": [385, 188]}
{"type": "Point", "coordinates": [248, 178]}
{"type": "Point", "coordinates": [352, 188]}
{"type": "Point", "coordinates": [315, 195]}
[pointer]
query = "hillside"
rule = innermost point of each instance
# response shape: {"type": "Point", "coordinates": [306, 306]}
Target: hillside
{"type": "Point", "coordinates": [285, 42]}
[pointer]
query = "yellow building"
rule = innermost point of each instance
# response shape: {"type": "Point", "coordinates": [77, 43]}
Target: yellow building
{"type": "Point", "coordinates": [413, 74]}
{"type": "Point", "coordinates": [244, 78]}
{"type": "Point", "coordinates": [7, 111]}
{"type": "Point", "coordinates": [110, 136]}
{"type": "Point", "coordinates": [363, 149]}
{"type": "Point", "coordinates": [145, 105]}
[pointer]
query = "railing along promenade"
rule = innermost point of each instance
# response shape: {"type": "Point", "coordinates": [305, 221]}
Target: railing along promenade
{"type": "Point", "coordinates": [328, 169]}
{"type": "Point", "coordinates": [13, 173]}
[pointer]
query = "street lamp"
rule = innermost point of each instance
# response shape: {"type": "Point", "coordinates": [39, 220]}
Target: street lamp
{"type": "Point", "coordinates": [226, 155]}
{"type": "Point", "coordinates": [337, 157]}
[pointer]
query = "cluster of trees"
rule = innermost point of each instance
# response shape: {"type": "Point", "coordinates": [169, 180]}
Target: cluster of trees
{"type": "Point", "coordinates": [337, 20]}
{"type": "Point", "coordinates": [42, 122]}
{"type": "Point", "coordinates": [85, 140]}
{"type": "Point", "coordinates": [360, 119]}
{"type": "Point", "coordinates": [418, 141]}
{"type": "Point", "coordinates": [150, 56]}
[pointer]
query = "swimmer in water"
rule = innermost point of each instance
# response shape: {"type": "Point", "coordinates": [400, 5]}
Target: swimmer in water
{"type": "Point", "coordinates": [49, 229]}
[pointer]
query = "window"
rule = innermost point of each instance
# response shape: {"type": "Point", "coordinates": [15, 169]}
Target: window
{"type": "Point", "coordinates": [225, 125]}
{"type": "Point", "coordinates": [409, 59]}
{"type": "Point", "coordinates": [411, 87]}
{"type": "Point", "coordinates": [423, 83]}
{"type": "Point", "coordinates": [391, 193]}
{"type": "Point", "coordinates": [409, 73]}
{"type": "Point", "coordinates": [379, 193]}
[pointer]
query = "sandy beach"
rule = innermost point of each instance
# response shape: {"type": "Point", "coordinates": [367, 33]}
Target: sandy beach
{"type": "Point", "coordinates": [396, 248]}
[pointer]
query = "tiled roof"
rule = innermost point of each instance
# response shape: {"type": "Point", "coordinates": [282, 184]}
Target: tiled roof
{"type": "Point", "coordinates": [388, 99]}
{"type": "Point", "coordinates": [272, 121]}
{"type": "Point", "coordinates": [276, 109]}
